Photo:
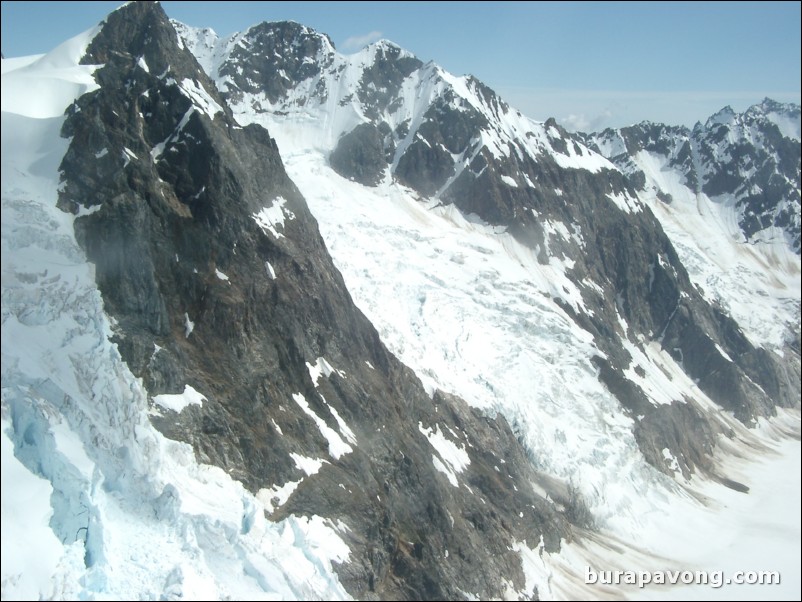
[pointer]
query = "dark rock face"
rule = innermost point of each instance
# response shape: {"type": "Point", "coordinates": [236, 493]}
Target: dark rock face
{"type": "Point", "coordinates": [360, 155]}
{"type": "Point", "coordinates": [279, 56]}
{"type": "Point", "coordinates": [428, 162]}
{"type": "Point", "coordinates": [424, 167]}
{"type": "Point", "coordinates": [214, 271]}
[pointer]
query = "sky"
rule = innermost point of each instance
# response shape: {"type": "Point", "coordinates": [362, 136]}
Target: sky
{"type": "Point", "coordinates": [588, 64]}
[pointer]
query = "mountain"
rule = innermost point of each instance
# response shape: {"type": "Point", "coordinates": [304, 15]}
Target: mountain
{"type": "Point", "coordinates": [740, 173]}
{"type": "Point", "coordinates": [384, 114]}
{"type": "Point", "coordinates": [226, 305]}
{"type": "Point", "coordinates": [749, 162]}
{"type": "Point", "coordinates": [511, 354]}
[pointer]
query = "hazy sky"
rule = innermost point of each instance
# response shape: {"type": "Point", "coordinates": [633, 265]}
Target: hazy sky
{"type": "Point", "coordinates": [589, 64]}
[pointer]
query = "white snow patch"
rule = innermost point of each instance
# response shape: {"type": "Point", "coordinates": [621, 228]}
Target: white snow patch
{"type": "Point", "coordinates": [455, 457]}
{"type": "Point", "coordinates": [624, 202]}
{"type": "Point", "coordinates": [440, 467]}
{"type": "Point", "coordinates": [270, 218]}
{"type": "Point", "coordinates": [337, 447]}
{"type": "Point", "coordinates": [322, 368]}
{"type": "Point", "coordinates": [189, 325]}
{"type": "Point", "coordinates": [673, 464]}
{"type": "Point", "coordinates": [179, 401]}
{"type": "Point", "coordinates": [509, 181]}
{"type": "Point", "coordinates": [200, 97]}
{"type": "Point", "coordinates": [273, 498]}
{"type": "Point", "coordinates": [537, 574]}
{"type": "Point", "coordinates": [587, 159]}
{"type": "Point", "coordinates": [308, 465]}
{"type": "Point", "coordinates": [128, 155]}
{"type": "Point", "coordinates": [723, 353]}
{"type": "Point", "coordinates": [344, 428]}
{"type": "Point", "coordinates": [220, 275]}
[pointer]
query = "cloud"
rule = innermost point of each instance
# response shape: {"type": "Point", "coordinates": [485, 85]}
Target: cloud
{"type": "Point", "coordinates": [358, 42]}
{"type": "Point", "coordinates": [575, 123]}
{"type": "Point", "coordinates": [581, 123]}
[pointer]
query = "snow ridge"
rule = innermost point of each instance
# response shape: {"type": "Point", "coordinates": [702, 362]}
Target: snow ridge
{"type": "Point", "coordinates": [334, 99]}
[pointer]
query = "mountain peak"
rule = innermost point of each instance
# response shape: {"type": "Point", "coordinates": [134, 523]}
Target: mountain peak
{"type": "Point", "coordinates": [142, 31]}
{"type": "Point", "coordinates": [288, 34]}
{"type": "Point", "coordinates": [768, 105]}
{"type": "Point", "coordinates": [386, 45]}
{"type": "Point", "coordinates": [751, 158]}
{"type": "Point", "coordinates": [724, 116]}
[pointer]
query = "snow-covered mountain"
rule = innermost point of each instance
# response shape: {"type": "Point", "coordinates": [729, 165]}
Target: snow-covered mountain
{"type": "Point", "coordinates": [747, 162]}
{"type": "Point", "coordinates": [727, 194]}
{"type": "Point", "coordinates": [184, 360]}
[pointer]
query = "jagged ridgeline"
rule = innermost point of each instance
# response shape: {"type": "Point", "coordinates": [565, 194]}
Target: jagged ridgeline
{"type": "Point", "coordinates": [751, 160]}
{"type": "Point", "coordinates": [215, 273]}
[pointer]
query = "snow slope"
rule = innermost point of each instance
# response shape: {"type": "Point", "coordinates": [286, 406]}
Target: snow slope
{"type": "Point", "coordinates": [727, 269]}
{"type": "Point", "coordinates": [710, 530]}
{"type": "Point", "coordinates": [96, 504]}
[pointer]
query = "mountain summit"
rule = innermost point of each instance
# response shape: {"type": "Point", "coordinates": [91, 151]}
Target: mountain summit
{"type": "Point", "coordinates": [283, 322]}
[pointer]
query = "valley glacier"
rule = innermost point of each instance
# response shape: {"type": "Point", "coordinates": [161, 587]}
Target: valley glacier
{"type": "Point", "coordinates": [470, 309]}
